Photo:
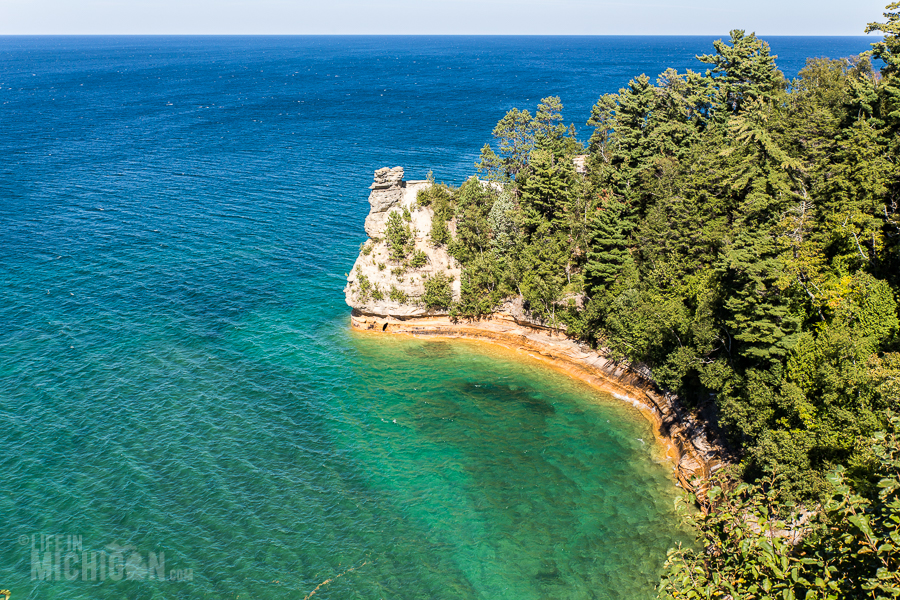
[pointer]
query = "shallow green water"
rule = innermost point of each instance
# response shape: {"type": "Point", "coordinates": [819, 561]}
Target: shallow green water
{"type": "Point", "coordinates": [542, 487]}
{"type": "Point", "coordinates": [437, 469]}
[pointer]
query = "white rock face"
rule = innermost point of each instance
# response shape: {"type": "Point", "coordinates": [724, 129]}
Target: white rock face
{"type": "Point", "coordinates": [391, 194]}
{"type": "Point", "coordinates": [387, 191]}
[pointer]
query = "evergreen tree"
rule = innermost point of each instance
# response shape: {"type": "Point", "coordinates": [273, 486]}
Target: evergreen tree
{"type": "Point", "coordinates": [546, 191]}
{"type": "Point", "coordinates": [759, 317]}
{"type": "Point", "coordinates": [608, 252]}
{"type": "Point", "coordinates": [744, 71]}
{"type": "Point", "coordinates": [888, 50]}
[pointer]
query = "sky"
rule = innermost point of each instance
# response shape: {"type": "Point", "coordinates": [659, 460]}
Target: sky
{"type": "Point", "coordinates": [523, 17]}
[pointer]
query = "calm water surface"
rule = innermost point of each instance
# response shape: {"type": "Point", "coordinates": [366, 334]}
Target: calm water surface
{"type": "Point", "coordinates": [177, 378]}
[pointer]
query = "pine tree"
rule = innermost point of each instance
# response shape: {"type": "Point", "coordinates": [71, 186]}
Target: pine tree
{"type": "Point", "coordinates": [608, 252]}
{"type": "Point", "coordinates": [744, 71]}
{"type": "Point", "coordinates": [759, 317]}
{"type": "Point", "coordinates": [888, 50]}
{"type": "Point", "coordinates": [633, 120]}
{"type": "Point", "coordinates": [546, 191]}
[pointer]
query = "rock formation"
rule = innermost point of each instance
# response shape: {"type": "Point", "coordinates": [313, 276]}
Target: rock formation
{"type": "Point", "coordinates": [378, 285]}
{"type": "Point", "coordinates": [387, 192]}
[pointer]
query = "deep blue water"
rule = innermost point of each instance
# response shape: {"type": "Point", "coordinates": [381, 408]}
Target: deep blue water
{"type": "Point", "coordinates": [176, 371]}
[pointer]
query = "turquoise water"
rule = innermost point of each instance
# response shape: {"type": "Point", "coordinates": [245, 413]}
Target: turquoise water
{"type": "Point", "coordinates": [279, 459]}
{"type": "Point", "coordinates": [180, 394]}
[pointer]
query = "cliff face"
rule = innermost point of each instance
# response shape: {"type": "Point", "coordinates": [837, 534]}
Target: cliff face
{"type": "Point", "coordinates": [378, 285]}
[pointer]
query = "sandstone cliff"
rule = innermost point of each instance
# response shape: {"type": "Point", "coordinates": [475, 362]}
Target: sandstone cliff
{"type": "Point", "coordinates": [378, 285]}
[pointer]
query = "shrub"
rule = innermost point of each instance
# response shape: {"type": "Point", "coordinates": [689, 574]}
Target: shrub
{"type": "Point", "coordinates": [398, 296]}
{"type": "Point", "coordinates": [418, 260]}
{"type": "Point", "coordinates": [434, 195]}
{"type": "Point", "coordinates": [438, 293]}
{"type": "Point", "coordinates": [441, 200]}
{"type": "Point", "coordinates": [502, 222]}
{"type": "Point", "coordinates": [749, 550]}
{"type": "Point", "coordinates": [399, 234]}
{"type": "Point", "coordinates": [440, 233]}
{"type": "Point", "coordinates": [364, 287]}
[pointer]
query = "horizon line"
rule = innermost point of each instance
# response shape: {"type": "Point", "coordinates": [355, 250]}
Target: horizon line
{"type": "Point", "coordinates": [810, 35]}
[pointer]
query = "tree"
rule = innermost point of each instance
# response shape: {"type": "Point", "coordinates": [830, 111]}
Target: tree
{"type": "Point", "coordinates": [546, 191]}
{"type": "Point", "coordinates": [549, 131]}
{"type": "Point", "coordinates": [608, 252]}
{"type": "Point", "coordinates": [888, 49]}
{"type": "Point", "coordinates": [760, 318]}
{"type": "Point", "coordinates": [744, 71]}
{"type": "Point", "coordinates": [399, 235]}
{"type": "Point", "coordinates": [472, 206]}
{"type": "Point", "coordinates": [502, 223]}
{"type": "Point", "coordinates": [603, 120]}
{"type": "Point", "coordinates": [438, 293]}
{"type": "Point", "coordinates": [515, 134]}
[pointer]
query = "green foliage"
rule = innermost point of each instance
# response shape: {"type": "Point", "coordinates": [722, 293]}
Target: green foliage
{"type": "Point", "coordinates": [398, 296]}
{"type": "Point", "coordinates": [515, 135]}
{"type": "Point", "coordinates": [889, 49]}
{"type": "Point", "coordinates": [744, 71]}
{"type": "Point", "coordinates": [608, 255]}
{"type": "Point", "coordinates": [482, 288]}
{"type": "Point", "coordinates": [440, 233]}
{"type": "Point", "coordinates": [436, 195]}
{"type": "Point", "coordinates": [438, 293]}
{"type": "Point", "coordinates": [752, 547]}
{"type": "Point", "coordinates": [440, 198]}
{"type": "Point", "coordinates": [502, 224]}
{"type": "Point", "coordinates": [419, 258]}
{"type": "Point", "coordinates": [366, 289]}
{"type": "Point", "coordinates": [545, 193]}
{"type": "Point", "coordinates": [518, 134]}
{"type": "Point", "coordinates": [399, 235]}
{"type": "Point", "coordinates": [760, 318]}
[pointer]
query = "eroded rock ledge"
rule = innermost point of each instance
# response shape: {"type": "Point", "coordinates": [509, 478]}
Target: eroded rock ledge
{"type": "Point", "coordinates": [693, 446]}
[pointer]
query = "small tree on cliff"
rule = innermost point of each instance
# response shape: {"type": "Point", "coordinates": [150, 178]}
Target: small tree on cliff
{"type": "Point", "coordinates": [438, 293]}
{"type": "Point", "coordinates": [399, 235]}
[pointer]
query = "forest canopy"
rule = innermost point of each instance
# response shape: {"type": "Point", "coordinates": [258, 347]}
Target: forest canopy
{"type": "Point", "coordinates": [736, 233]}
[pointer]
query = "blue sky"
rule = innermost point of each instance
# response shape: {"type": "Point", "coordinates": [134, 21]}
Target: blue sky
{"type": "Point", "coordinates": [591, 17]}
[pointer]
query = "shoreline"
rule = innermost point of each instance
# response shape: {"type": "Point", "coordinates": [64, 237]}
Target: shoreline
{"type": "Point", "coordinates": [681, 434]}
